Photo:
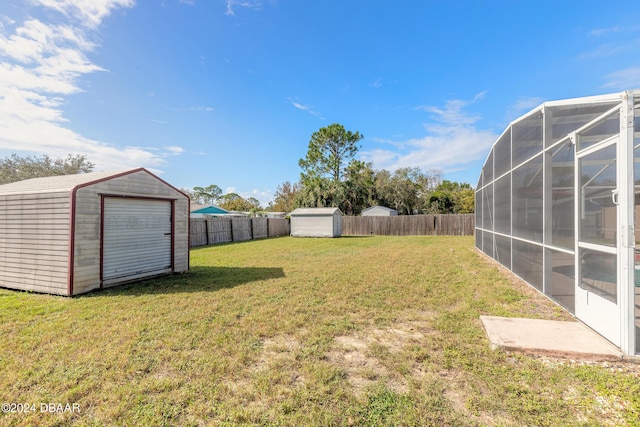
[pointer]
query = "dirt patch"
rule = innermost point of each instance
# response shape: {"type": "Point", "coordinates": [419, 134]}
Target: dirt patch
{"type": "Point", "coordinates": [281, 351]}
{"type": "Point", "coordinates": [366, 356]}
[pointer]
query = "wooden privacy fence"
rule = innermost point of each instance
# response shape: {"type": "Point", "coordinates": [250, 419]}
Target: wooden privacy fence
{"type": "Point", "coordinates": [224, 230]}
{"type": "Point", "coordinates": [409, 225]}
{"type": "Point", "coordinates": [211, 231]}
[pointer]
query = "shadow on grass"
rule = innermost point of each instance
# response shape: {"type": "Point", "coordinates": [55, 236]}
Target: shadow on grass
{"type": "Point", "coordinates": [198, 279]}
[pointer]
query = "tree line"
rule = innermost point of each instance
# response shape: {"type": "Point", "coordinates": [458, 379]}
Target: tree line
{"type": "Point", "coordinates": [212, 195]}
{"type": "Point", "coordinates": [330, 176]}
{"type": "Point", "coordinates": [17, 168]}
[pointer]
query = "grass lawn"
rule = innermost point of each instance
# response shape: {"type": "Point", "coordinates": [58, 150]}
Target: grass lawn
{"type": "Point", "coordinates": [301, 332]}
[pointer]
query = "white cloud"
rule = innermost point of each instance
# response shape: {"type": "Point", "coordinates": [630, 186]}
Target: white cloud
{"type": "Point", "coordinates": [377, 83]}
{"type": "Point", "coordinates": [624, 79]}
{"type": "Point", "coordinates": [174, 149]}
{"type": "Point", "coordinates": [89, 13]}
{"type": "Point", "coordinates": [452, 141]}
{"type": "Point", "coordinates": [40, 65]}
{"type": "Point", "coordinates": [608, 49]}
{"type": "Point", "coordinates": [522, 106]}
{"type": "Point", "coordinates": [247, 4]}
{"type": "Point", "coordinates": [599, 32]}
{"type": "Point", "coordinates": [614, 41]}
{"type": "Point", "coordinates": [263, 196]}
{"type": "Point", "coordinates": [300, 106]}
{"type": "Point", "coordinates": [309, 109]}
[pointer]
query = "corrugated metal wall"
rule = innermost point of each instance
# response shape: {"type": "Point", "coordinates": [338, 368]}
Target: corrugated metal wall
{"type": "Point", "coordinates": [34, 242]}
{"type": "Point", "coordinates": [137, 238]}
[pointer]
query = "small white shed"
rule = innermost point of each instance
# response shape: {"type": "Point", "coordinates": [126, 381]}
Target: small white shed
{"type": "Point", "coordinates": [379, 211]}
{"type": "Point", "coordinates": [316, 222]}
{"type": "Point", "coordinates": [67, 235]}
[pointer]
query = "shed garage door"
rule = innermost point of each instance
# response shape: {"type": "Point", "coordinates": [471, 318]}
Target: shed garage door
{"type": "Point", "coordinates": [136, 239]}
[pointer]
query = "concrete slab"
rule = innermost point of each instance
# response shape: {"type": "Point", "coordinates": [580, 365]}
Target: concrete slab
{"type": "Point", "coordinates": [572, 340]}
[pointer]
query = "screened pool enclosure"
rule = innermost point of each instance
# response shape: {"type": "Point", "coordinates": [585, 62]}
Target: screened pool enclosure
{"type": "Point", "coordinates": [557, 202]}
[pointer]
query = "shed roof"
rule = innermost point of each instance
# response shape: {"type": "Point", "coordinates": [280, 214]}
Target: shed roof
{"type": "Point", "coordinates": [64, 182]}
{"type": "Point", "coordinates": [384, 208]}
{"type": "Point", "coordinates": [315, 211]}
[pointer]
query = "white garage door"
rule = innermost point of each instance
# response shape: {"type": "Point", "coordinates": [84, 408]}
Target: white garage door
{"type": "Point", "coordinates": [136, 240]}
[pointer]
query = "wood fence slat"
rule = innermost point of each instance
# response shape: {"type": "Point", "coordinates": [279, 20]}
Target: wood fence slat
{"type": "Point", "coordinates": [241, 229]}
{"type": "Point", "coordinates": [219, 230]}
{"type": "Point", "coordinates": [409, 225]}
{"type": "Point", "coordinates": [212, 231]}
{"type": "Point", "coordinates": [198, 235]}
{"type": "Point", "coordinates": [260, 228]}
{"type": "Point", "coordinates": [278, 227]}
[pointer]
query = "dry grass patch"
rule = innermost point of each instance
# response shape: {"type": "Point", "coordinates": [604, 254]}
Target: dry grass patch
{"type": "Point", "coordinates": [281, 352]}
{"type": "Point", "coordinates": [367, 356]}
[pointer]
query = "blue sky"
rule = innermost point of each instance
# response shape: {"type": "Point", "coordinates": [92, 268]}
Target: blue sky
{"type": "Point", "coordinates": [228, 92]}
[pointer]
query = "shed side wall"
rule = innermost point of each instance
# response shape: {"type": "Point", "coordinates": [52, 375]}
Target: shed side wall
{"type": "Point", "coordinates": [34, 242]}
{"type": "Point", "coordinates": [337, 225]}
{"type": "Point", "coordinates": [87, 227]}
{"type": "Point", "coordinates": [312, 226]}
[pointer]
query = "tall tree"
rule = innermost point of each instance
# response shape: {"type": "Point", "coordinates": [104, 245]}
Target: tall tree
{"type": "Point", "coordinates": [207, 195]}
{"type": "Point", "coordinates": [331, 149]}
{"type": "Point", "coordinates": [16, 168]}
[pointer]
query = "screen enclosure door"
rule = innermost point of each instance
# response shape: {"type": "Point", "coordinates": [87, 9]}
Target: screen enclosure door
{"type": "Point", "coordinates": [597, 278]}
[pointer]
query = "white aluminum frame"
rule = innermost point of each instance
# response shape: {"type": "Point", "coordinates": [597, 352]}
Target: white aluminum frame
{"type": "Point", "coordinates": [625, 190]}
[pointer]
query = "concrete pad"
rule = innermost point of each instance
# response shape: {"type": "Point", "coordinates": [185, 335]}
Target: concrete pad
{"type": "Point", "coordinates": [572, 340]}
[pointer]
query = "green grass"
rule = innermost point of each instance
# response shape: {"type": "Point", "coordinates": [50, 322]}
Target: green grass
{"type": "Point", "coordinates": [370, 331]}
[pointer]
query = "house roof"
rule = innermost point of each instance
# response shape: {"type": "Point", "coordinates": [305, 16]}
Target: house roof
{"type": "Point", "coordinates": [211, 210]}
{"type": "Point", "coordinates": [316, 211]}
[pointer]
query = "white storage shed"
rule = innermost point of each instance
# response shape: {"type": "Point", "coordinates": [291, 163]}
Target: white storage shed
{"type": "Point", "coordinates": [316, 222]}
{"type": "Point", "coordinates": [67, 235]}
{"type": "Point", "coordinates": [379, 211]}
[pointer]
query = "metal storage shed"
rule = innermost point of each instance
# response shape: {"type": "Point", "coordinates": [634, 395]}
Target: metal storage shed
{"type": "Point", "coordinates": [71, 234]}
{"type": "Point", "coordinates": [379, 211]}
{"type": "Point", "coordinates": [316, 222]}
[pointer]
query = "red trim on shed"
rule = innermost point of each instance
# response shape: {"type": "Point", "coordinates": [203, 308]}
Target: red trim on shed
{"type": "Point", "coordinates": [101, 236]}
{"type": "Point", "coordinates": [72, 221]}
